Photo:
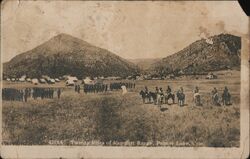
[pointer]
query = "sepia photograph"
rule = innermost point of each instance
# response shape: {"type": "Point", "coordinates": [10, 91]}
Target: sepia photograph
{"type": "Point", "coordinates": [148, 74]}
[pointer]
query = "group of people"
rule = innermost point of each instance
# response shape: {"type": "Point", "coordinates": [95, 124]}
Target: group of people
{"type": "Point", "coordinates": [96, 88]}
{"type": "Point", "coordinates": [12, 94]}
{"type": "Point", "coordinates": [100, 88]}
{"type": "Point", "coordinates": [159, 96]}
{"type": "Point", "coordinates": [118, 85]}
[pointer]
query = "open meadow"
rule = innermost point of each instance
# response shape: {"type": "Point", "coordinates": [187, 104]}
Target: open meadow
{"type": "Point", "coordinates": [116, 119]}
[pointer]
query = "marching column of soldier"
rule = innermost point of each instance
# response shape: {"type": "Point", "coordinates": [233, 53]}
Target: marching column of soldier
{"type": "Point", "coordinates": [12, 94]}
{"type": "Point", "coordinates": [159, 97]}
{"type": "Point", "coordinates": [100, 88]}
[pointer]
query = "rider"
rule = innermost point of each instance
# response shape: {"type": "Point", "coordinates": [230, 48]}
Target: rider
{"type": "Point", "coordinates": [181, 96]}
{"type": "Point", "coordinates": [161, 92]}
{"type": "Point", "coordinates": [226, 96]}
{"type": "Point", "coordinates": [215, 96]}
{"type": "Point", "coordinates": [197, 96]}
{"type": "Point", "coordinates": [146, 90]}
{"type": "Point", "coordinates": [156, 90]}
{"type": "Point", "coordinates": [196, 90]}
{"type": "Point", "coordinates": [168, 90]}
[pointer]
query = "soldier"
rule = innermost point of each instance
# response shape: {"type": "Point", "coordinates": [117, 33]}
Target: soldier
{"type": "Point", "coordinates": [226, 96]}
{"type": "Point", "coordinates": [168, 91]}
{"type": "Point", "coordinates": [26, 94]}
{"type": "Point", "coordinates": [197, 97]}
{"type": "Point", "coordinates": [106, 87]}
{"type": "Point", "coordinates": [52, 93]}
{"type": "Point", "coordinates": [59, 93]}
{"type": "Point", "coordinates": [21, 95]}
{"type": "Point", "coordinates": [161, 95]}
{"type": "Point", "coordinates": [146, 90]}
{"type": "Point", "coordinates": [158, 97]}
{"type": "Point", "coordinates": [180, 97]}
{"type": "Point", "coordinates": [215, 97]}
{"type": "Point", "coordinates": [78, 88]}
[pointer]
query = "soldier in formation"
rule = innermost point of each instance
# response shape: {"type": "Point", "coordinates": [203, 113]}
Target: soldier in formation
{"type": "Point", "coordinates": [96, 88]}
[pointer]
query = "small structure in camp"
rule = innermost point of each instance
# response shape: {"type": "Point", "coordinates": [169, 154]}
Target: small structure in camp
{"type": "Point", "coordinates": [8, 79]}
{"type": "Point", "coordinates": [34, 81]}
{"type": "Point", "coordinates": [28, 79]}
{"type": "Point", "coordinates": [70, 83]}
{"type": "Point", "coordinates": [41, 80]}
{"type": "Point", "coordinates": [87, 80]}
{"type": "Point", "coordinates": [13, 79]}
{"type": "Point", "coordinates": [71, 78]}
{"type": "Point", "coordinates": [52, 81]}
{"type": "Point", "coordinates": [211, 76]}
{"type": "Point", "coordinates": [57, 80]}
{"type": "Point", "coordinates": [22, 79]}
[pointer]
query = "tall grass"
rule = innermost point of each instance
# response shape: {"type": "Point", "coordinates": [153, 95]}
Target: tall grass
{"type": "Point", "coordinates": [118, 120]}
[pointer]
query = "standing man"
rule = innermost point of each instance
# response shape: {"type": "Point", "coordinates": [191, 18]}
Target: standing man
{"type": "Point", "coordinates": [26, 91]}
{"type": "Point", "coordinates": [59, 93]}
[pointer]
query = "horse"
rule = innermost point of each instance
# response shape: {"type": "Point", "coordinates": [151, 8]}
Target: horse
{"type": "Point", "coordinates": [226, 97]}
{"type": "Point", "coordinates": [153, 96]}
{"type": "Point", "coordinates": [197, 99]}
{"type": "Point", "coordinates": [169, 96]}
{"type": "Point", "coordinates": [180, 98]}
{"type": "Point", "coordinates": [145, 96]}
{"type": "Point", "coordinates": [215, 99]}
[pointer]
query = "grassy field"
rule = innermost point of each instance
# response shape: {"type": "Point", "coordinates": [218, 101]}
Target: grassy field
{"type": "Point", "coordinates": [123, 120]}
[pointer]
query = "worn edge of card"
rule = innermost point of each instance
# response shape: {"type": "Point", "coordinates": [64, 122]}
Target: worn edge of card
{"type": "Point", "coordinates": [148, 152]}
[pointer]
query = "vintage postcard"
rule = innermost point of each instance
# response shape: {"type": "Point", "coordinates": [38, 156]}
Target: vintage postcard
{"type": "Point", "coordinates": [124, 79]}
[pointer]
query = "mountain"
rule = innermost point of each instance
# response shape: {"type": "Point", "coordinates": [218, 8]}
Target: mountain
{"type": "Point", "coordinates": [144, 64]}
{"type": "Point", "coordinates": [68, 55]}
{"type": "Point", "coordinates": [218, 52]}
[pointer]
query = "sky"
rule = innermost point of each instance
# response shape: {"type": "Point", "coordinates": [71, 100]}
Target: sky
{"type": "Point", "coordinates": [149, 29]}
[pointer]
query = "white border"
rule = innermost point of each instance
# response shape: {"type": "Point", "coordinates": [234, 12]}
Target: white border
{"type": "Point", "coordinates": [25, 152]}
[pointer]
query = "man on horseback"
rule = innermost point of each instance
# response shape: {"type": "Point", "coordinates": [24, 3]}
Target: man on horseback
{"type": "Point", "coordinates": [215, 97]}
{"type": "Point", "coordinates": [161, 95]}
{"type": "Point", "coordinates": [147, 96]}
{"type": "Point", "coordinates": [158, 96]}
{"type": "Point", "coordinates": [226, 97]}
{"type": "Point", "coordinates": [181, 97]}
{"type": "Point", "coordinates": [197, 97]}
{"type": "Point", "coordinates": [169, 95]}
